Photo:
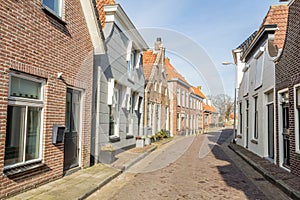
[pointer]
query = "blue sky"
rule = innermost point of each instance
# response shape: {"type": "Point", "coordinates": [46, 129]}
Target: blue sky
{"type": "Point", "coordinates": [211, 28]}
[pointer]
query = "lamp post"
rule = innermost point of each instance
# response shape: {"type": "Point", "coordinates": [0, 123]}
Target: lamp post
{"type": "Point", "coordinates": [234, 106]}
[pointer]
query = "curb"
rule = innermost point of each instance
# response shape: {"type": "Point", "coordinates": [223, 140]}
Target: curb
{"type": "Point", "coordinates": [131, 162]}
{"type": "Point", "coordinates": [277, 182]}
{"type": "Point", "coordinates": [100, 185]}
{"type": "Point", "coordinates": [125, 167]}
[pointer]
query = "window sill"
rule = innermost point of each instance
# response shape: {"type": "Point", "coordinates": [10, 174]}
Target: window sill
{"type": "Point", "coordinates": [254, 141]}
{"type": "Point", "coordinates": [23, 169]}
{"type": "Point", "coordinates": [53, 14]}
{"type": "Point", "coordinates": [129, 136]}
{"type": "Point", "coordinates": [114, 139]}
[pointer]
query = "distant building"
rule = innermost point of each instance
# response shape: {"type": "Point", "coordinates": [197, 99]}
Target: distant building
{"type": "Point", "coordinates": [196, 110]}
{"type": "Point", "coordinates": [156, 107]}
{"type": "Point", "coordinates": [179, 90]}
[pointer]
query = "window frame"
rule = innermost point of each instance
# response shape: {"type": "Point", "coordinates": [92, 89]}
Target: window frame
{"type": "Point", "coordinates": [297, 118]}
{"type": "Point", "coordinates": [61, 9]}
{"type": "Point", "coordinates": [255, 133]}
{"type": "Point", "coordinates": [27, 102]}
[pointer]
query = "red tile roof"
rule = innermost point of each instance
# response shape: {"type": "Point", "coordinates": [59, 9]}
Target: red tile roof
{"type": "Point", "coordinates": [197, 91]}
{"type": "Point", "coordinates": [100, 7]}
{"type": "Point", "coordinates": [278, 14]}
{"type": "Point", "coordinates": [209, 108]}
{"type": "Point", "coordinates": [148, 62]}
{"type": "Point", "coordinates": [171, 71]}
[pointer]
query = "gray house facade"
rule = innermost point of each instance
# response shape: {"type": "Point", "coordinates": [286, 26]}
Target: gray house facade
{"type": "Point", "coordinates": [256, 127]}
{"type": "Point", "coordinates": [119, 86]}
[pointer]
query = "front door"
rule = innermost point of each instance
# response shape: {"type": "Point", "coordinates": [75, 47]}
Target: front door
{"type": "Point", "coordinates": [247, 123]}
{"type": "Point", "coordinates": [286, 135]}
{"type": "Point", "coordinates": [271, 130]}
{"type": "Point", "coordinates": [71, 142]}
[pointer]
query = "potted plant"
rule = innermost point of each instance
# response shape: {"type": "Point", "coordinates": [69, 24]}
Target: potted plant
{"type": "Point", "coordinates": [148, 140]}
{"type": "Point", "coordinates": [107, 154]}
{"type": "Point", "coordinates": [140, 141]}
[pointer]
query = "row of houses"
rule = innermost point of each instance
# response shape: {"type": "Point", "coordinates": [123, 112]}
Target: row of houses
{"type": "Point", "coordinates": [76, 76]}
{"type": "Point", "coordinates": [268, 98]}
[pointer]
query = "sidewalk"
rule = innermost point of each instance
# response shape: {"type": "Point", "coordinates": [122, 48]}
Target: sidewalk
{"type": "Point", "coordinates": [82, 183]}
{"type": "Point", "coordinates": [284, 180]}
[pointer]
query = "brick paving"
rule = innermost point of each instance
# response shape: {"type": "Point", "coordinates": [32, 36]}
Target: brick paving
{"type": "Point", "coordinates": [214, 176]}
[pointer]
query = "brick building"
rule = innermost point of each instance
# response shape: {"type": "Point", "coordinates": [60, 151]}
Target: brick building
{"type": "Point", "coordinates": [196, 110]}
{"type": "Point", "coordinates": [45, 70]}
{"type": "Point", "coordinates": [287, 84]}
{"type": "Point", "coordinates": [179, 90]}
{"type": "Point", "coordinates": [156, 106]}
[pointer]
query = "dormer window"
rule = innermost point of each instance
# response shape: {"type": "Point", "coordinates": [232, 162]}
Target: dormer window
{"type": "Point", "coordinates": [54, 6]}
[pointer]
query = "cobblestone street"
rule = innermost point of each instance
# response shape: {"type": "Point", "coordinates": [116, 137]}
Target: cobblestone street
{"type": "Point", "coordinates": [198, 173]}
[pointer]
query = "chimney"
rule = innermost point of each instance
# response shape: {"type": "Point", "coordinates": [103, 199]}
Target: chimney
{"type": "Point", "coordinates": [157, 44]}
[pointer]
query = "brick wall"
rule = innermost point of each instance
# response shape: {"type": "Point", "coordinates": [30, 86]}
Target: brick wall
{"type": "Point", "coordinates": [35, 42]}
{"type": "Point", "coordinates": [287, 74]}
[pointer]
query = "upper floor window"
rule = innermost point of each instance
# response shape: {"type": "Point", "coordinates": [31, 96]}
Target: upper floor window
{"type": "Point", "coordinates": [55, 6]}
{"type": "Point", "coordinates": [183, 96]}
{"type": "Point", "coordinates": [178, 96]}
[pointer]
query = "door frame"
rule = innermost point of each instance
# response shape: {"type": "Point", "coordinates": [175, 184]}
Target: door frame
{"type": "Point", "coordinates": [80, 123]}
{"type": "Point", "coordinates": [280, 129]}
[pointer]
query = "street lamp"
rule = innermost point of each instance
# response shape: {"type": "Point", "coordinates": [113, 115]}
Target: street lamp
{"type": "Point", "coordinates": [234, 106]}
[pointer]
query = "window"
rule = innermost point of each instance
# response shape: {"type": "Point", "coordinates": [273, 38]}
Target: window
{"type": "Point", "coordinates": [255, 118]}
{"type": "Point", "coordinates": [130, 64]}
{"type": "Point", "coordinates": [129, 123]}
{"type": "Point", "coordinates": [160, 87]}
{"type": "Point", "coordinates": [54, 6]}
{"type": "Point", "coordinates": [178, 96]}
{"type": "Point", "coordinates": [187, 99]}
{"type": "Point", "coordinates": [258, 69]}
{"type": "Point", "coordinates": [24, 120]}
{"type": "Point", "coordinates": [183, 96]}
{"type": "Point", "coordinates": [241, 118]}
{"type": "Point", "coordinates": [149, 114]}
{"type": "Point", "coordinates": [178, 122]}
{"type": "Point", "coordinates": [113, 114]}
{"type": "Point", "coordinates": [297, 119]}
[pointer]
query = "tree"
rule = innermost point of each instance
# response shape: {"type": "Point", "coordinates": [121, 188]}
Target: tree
{"type": "Point", "coordinates": [224, 105]}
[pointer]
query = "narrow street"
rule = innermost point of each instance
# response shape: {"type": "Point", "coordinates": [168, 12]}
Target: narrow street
{"type": "Point", "coordinates": [195, 167]}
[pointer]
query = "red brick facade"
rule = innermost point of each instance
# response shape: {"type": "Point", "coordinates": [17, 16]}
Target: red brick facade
{"type": "Point", "coordinates": [35, 42]}
{"type": "Point", "coordinates": [287, 74]}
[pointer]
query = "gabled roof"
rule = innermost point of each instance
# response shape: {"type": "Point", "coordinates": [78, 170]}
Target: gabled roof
{"type": "Point", "coordinates": [278, 14]}
{"type": "Point", "coordinates": [198, 92]}
{"type": "Point", "coordinates": [247, 42]}
{"type": "Point", "coordinates": [172, 73]}
{"type": "Point", "coordinates": [148, 62]}
{"type": "Point", "coordinates": [100, 7]}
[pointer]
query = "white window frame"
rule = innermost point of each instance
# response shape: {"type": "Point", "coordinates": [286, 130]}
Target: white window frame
{"type": "Point", "coordinates": [27, 102]}
{"type": "Point", "coordinates": [60, 9]}
{"type": "Point", "coordinates": [296, 120]}
{"type": "Point", "coordinates": [183, 98]}
{"type": "Point", "coordinates": [178, 97]}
